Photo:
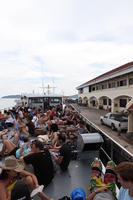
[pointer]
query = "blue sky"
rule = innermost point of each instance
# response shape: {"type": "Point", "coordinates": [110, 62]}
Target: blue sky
{"type": "Point", "coordinates": [63, 43]}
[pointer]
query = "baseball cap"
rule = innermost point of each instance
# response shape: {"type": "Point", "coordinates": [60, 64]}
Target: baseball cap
{"type": "Point", "coordinates": [78, 194]}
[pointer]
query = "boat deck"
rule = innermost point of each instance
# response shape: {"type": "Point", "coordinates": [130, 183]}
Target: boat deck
{"type": "Point", "coordinates": [77, 175]}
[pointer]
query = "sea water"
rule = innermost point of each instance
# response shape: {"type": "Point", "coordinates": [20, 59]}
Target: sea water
{"type": "Point", "coordinates": [6, 103]}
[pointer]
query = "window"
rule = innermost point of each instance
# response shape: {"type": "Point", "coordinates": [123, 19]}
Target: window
{"type": "Point", "coordinates": [55, 100]}
{"type": "Point", "coordinates": [93, 88]}
{"type": "Point", "coordinates": [104, 101]}
{"type": "Point", "coordinates": [123, 102]}
{"type": "Point", "coordinates": [97, 87]}
{"type": "Point", "coordinates": [111, 85]}
{"type": "Point", "coordinates": [110, 102]}
{"type": "Point", "coordinates": [81, 91]}
{"type": "Point", "coordinates": [122, 83]}
{"type": "Point", "coordinates": [90, 88]}
{"type": "Point", "coordinates": [36, 100]}
{"type": "Point", "coordinates": [131, 81]}
{"type": "Point", "coordinates": [104, 86]}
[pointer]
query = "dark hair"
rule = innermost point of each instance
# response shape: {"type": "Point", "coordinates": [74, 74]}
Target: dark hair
{"type": "Point", "coordinates": [51, 117]}
{"type": "Point", "coordinates": [81, 122]}
{"type": "Point", "coordinates": [62, 138]}
{"type": "Point", "coordinates": [20, 191]}
{"type": "Point", "coordinates": [38, 144]}
{"type": "Point", "coordinates": [3, 175]}
{"type": "Point", "coordinates": [30, 117]}
{"type": "Point", "coordinates": [125, 170]}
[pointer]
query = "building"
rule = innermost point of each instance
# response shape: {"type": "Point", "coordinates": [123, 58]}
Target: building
{"type": "Point", "coordinates": [111, 90]}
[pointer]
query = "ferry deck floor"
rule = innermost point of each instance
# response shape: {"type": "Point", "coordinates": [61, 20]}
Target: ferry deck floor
{"type": "Point", "coordinates": [78, 175]}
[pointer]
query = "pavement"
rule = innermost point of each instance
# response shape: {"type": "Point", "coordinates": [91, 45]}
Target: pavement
{"type": "Point", "coordinates": [93, 115]}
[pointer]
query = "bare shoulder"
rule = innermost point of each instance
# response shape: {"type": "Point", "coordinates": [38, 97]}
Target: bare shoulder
{"type": "Point", "coordinates": [3, 194]}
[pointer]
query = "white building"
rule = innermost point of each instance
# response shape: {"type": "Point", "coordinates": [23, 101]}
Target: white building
{"type": "Point", "coordinates": [111, 90]}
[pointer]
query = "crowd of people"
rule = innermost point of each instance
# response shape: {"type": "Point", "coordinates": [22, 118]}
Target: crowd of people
{"type": "Point", "coordinates": [44, 140]}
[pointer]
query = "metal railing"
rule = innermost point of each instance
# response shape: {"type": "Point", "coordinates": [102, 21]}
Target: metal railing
{"type": "Point", "coordinates": [111, 149]}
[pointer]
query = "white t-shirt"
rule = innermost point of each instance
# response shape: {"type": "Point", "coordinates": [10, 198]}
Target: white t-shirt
{"type": "Point", "coordinates": [35, 120]}
{"type": "Point", "coordinates": [107, 195]}
{"type": "Point", "coordinates": [21, 114]}
{"type": "Point", "coordinates": [124, 194]}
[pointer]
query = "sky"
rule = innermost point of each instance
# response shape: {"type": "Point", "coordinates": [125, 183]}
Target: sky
{"type": "Point", "coordinates": [61, 43]}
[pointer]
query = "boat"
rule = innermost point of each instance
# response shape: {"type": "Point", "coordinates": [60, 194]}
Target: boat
{"type": "Point", "coordinates": [90, 145]}
{"type": "Point", "coordinates": [41, 101]}
{"type": "Point", "coordinates": [94, 144]}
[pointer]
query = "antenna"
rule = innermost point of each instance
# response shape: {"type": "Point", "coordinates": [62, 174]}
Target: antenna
{"type": "Point", "coordinates": [53, 87]}
{"type": "Point", "coordinates": [42, 81]}
{"type": "Point", "coordinates": [48, 89]}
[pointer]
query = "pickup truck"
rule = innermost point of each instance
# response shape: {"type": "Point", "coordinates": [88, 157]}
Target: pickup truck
{"type": "Point", "coordinates": [115, 121]}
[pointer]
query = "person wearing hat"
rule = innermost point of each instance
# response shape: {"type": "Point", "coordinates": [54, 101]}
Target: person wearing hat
{"type": "Point", "coordinates": [12, 170]}
{"type": "Point", "coordinates": [78, 194]}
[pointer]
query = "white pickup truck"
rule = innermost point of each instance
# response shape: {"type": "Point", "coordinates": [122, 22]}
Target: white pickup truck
{"type": "Point", "coordinates": [115, 121]}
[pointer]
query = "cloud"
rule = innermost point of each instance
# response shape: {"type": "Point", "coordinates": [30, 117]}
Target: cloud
{"type": "Point", "coordinates": [61, 43]}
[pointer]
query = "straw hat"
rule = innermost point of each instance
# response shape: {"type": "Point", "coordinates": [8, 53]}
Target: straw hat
{"type": "Point", "coordinates": [11, 163]}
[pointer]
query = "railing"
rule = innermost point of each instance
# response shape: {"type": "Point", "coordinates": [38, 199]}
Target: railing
{"type": "Point", "coordinates": [110, 148]}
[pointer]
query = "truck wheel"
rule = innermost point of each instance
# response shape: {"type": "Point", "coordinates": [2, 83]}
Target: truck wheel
{"type": "Point", "coordinates": [112, 127]}
{"type": "Point", "coordinates": [102, 122]}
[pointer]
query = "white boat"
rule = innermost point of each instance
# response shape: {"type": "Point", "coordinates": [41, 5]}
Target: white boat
{"type": "Point", "coordinates": [41, 101]}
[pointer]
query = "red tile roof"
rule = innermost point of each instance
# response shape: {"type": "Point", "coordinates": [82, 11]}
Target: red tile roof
{"type": "Point", "coordinates": [122, 67]}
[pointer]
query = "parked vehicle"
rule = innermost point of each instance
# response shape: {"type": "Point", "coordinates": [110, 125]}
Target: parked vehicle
{"type": "Point", "coordinates": [115, 121]}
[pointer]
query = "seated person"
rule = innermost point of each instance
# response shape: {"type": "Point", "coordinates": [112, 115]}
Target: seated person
{"type": "Point", "coordinates": [23, 132]}
{"type": "Point", "coordinates": [12, 171]}
{"type": "Point", "coordinates": [9, 120]}
{"type": "Point", "coordinates": [23, 150]}
{"type": "Point", "coordinates": [53, 126]}
{"type": "Point", "coordinates": [21, 191]}
{"type": "Point", "coordinates": [102, 189]}
{"type": "Point", "coordinates": [30, 125]}
{"type": "Point", "coordinates": [78, 193]}
{"type": "Point", "coordinates": [124, 173]}
{"type": "Point", "coordinates": [64, 157]}
{"type": "Point", "coordinates": [9, 148]}
{"type": "Point", "coordinates": [55, 145]}
{"type": "Point", "coordinates": [82, 127]}
{"type": "Point", "coordinates": [41, 161]}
